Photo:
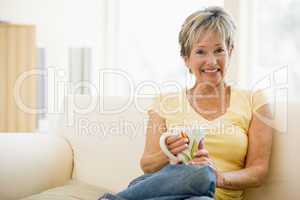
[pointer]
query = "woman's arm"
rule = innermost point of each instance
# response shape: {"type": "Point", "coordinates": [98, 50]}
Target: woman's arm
{"type": "Point", "coordinates": [258, 155]}
{"type": "Point", "coordinates": [153, 158]}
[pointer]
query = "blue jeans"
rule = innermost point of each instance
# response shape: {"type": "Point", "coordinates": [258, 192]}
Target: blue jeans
{"type": "Point", "coordinates": [173, 182]}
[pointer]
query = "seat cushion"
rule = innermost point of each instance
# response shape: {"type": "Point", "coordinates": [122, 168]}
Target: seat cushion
{"type": "Point", "coordinates": [73, 190]}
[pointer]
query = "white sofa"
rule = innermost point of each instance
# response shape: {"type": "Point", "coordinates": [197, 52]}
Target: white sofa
{"type": "Point", "coordinates": [91, 152]}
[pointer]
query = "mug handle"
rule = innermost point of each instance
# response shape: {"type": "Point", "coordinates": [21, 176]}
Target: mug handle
{"type": "Point", "coordinates": [163, 145]}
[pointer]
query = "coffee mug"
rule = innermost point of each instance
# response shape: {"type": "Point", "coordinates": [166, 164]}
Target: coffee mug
{"type": "Point", "coordinates": [194, 137]}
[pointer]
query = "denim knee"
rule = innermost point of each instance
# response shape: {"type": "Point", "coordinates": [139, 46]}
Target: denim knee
{"type": "Point", "coordinates": [139, 179]}
{"type": "Point", "coordinates": [203, 180]}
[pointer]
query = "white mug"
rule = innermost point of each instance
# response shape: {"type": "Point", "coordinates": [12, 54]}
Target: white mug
{"type": "Point", "coordinates": [194, 135]}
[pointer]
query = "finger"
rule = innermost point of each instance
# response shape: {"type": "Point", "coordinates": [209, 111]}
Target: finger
{"type": "Point", "coordinates": [202, 162]}
{"type": "Point", "coordinates": [179, 149]}
{"type": "Point", "coordinates": [201, 159]}
{"type": "Point", "coordinates": [178, 143]}
{"type": "Point", "coordinates": [201, 144]}
{"type": "Point", "coordinates": [202, 152]}
{"type": "Point", "coordinates": [172, 139]}
{"type": "Point", "coordinates": [199, 162]}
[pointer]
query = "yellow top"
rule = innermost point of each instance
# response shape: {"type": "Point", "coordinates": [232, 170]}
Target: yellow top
{"type": "Point", "coordinates": [226, 136]}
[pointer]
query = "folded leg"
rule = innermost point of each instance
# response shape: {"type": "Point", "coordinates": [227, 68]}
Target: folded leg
{"type": "Point", "coordinates": [182, 181]}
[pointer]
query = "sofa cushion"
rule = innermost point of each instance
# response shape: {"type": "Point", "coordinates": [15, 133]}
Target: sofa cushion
{"type": "Point", "coordinates": [31, 163]}
{"type": "Point", "coordinates": [107, 142]}
{"type": "Point", "coordinates": [73, 190]}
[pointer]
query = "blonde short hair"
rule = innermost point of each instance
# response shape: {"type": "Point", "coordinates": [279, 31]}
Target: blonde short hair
{"type": "Point", "coordinates": [210, 19]}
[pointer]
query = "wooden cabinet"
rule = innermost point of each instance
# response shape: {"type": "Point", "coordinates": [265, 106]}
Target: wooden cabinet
{"type": "Point", "coordinates": [17, 57]}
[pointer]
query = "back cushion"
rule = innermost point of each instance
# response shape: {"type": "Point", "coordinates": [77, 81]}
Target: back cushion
{"type": "Point", "coordinates": [107, 138]}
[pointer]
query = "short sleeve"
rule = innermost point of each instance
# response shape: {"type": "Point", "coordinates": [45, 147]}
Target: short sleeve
{"type": "Point", "coordinates": [155, 106]}
{"type": "Point", "coordinates": [258, 99]}
{"type": "Point", "coordinates": [166, 105]}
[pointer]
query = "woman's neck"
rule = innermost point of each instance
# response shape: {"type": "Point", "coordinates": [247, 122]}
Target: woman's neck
{"type": "Point", "coordinates": [200, 89]}
{"type": "Point", "coordinates": [211, 99]}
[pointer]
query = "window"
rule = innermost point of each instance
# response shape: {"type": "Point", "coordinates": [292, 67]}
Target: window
{"type": "Point", "coordinates": [276, 43]}
{"type": "Point", "coordinates": [79, 68]}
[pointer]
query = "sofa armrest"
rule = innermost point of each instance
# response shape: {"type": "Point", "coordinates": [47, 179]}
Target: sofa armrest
{"type": "Point", "coordinates": [31, 163]}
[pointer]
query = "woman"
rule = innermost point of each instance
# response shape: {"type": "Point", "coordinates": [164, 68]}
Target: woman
{"type": "Point", "coordinates": [237, 143]}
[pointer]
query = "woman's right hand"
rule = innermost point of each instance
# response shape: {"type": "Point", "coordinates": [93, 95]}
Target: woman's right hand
{"type": "Point", "coordinates": [176, 144]}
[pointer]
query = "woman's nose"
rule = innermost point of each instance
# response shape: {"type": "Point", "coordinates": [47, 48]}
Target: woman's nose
{"type": "Point", "coordinates": [211, 60]}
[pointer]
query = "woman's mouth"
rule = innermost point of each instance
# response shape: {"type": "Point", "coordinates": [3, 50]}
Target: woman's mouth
{"type": "Point", "coordinates": [214, 70]}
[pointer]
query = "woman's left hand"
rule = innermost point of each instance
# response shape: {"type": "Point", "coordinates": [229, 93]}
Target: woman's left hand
{"type": "Point", "coordinates": [202, 158]}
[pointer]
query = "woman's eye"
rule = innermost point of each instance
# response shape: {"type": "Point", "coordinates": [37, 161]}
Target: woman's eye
{"type": "Point", "coordinates": [200, 52]}
{"type": "Point", "coordinates": [220, 50]}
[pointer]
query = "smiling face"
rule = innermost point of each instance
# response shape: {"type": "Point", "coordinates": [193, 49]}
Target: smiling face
{"type": "Point", "coordinates": [208, 59]}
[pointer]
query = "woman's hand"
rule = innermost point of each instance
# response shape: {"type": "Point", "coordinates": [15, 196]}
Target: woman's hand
{"type": "Point", "coordinates": [176, 144]}
{"type": "Point", "coordinates": [202, 158]}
